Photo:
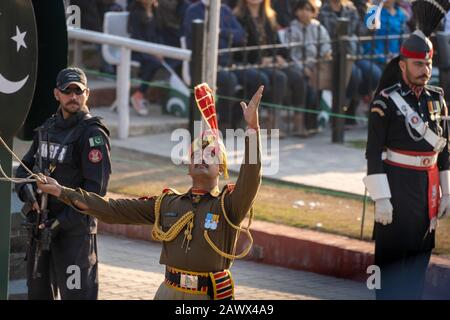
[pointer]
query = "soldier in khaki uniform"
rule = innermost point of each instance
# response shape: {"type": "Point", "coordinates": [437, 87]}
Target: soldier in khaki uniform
{"type": "Point", "coordinates": [198, 228]}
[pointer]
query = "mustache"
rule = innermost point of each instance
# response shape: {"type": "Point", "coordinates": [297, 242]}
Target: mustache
{"type": "Point", "coordinates": [202, 164]}
{"type": "Point", "coordinates": [72, 102]}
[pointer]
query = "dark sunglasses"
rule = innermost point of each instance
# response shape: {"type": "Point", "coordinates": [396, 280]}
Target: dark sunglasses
{"type": "Point", "coordinates": [78, 91]}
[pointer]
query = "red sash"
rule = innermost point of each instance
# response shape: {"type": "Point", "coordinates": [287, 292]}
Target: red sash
{"type": "Point", "coordinates": [433, 180]}
{"type": "Point", "coordinates": [433, 192]}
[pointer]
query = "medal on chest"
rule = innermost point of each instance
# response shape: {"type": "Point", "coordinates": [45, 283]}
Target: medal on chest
{"type": "Point", "coordinates": [434, 108]}
{"type": "Point", "coordinates": [211, 221]}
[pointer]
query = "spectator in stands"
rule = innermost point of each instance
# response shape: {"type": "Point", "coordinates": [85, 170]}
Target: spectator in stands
{"type": "Point", "coordinates": [230, 3]}
{"type": "Point", "coordinates": [231, 34]}
{"type": "Point", "coordinates": [90, 15]}
{"type": "Point", "coordinates": [169, 15]}
{"type": "Point", "coordinates": [142, 26]}
{"type": "Point", "coordinates": [406, 5]}
{"type": "Point", "coordinates": [308, 31]}
{"type": "Point", "coordinates": [447, 22]}
{"type": "Point", "coordinates": [362, 6]}
{"type": "Point", "coordinates": [107, 6]}
{"type": "Point", "coordinates": [328, 16]}
{"type": "Point", "coordinates": [393, 22]}
{"type": "Point", "coordinates": [129, 3]}
{"type": "Point", "coordinates": [285, 12]}
{"type": "Point", "coordinates": [369, 76]}
{"type": "Point", "coordinates": [103, 7]}
{"type": "Point", "coordinates": [259, 20]}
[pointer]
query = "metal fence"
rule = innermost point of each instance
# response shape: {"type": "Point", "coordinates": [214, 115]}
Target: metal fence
{"type": "Point", "coordinates": [335, 68]}
{"type": "Point", "coordinates": [331, 73]}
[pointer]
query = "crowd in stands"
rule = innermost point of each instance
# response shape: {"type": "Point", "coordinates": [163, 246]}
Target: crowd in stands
{"type": "Point", "coordinates": [288, 73]}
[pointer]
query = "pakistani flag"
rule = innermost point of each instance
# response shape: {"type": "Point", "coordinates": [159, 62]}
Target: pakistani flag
{"type": "Point", "coordinates": [96, 141]}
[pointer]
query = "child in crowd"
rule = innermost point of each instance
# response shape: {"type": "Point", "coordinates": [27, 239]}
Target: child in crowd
{"type": "Point", "coordinates": [314, 38]}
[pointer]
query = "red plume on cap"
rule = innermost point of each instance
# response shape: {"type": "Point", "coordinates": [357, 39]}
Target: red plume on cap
{"type": "Point", "coordinates": [211, 137]}
{"type": "Point", "coordinates": [206, 105]}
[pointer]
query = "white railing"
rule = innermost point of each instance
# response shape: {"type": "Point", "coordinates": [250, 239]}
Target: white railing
{"type": "Point", "coordinates": [126, 45]}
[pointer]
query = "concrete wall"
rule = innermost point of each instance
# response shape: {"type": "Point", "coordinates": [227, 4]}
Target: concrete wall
{"type": "Point", "coordinates": [311, 251]}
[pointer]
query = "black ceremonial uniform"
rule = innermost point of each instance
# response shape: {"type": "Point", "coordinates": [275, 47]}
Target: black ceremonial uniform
{"type": "Point", "coordinates": [408, 236]}
{"type": "Point", "coordinates": [82, 161]}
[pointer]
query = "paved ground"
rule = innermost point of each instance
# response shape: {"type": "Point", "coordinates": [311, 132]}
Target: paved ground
{"type": "Point", "coordinates": [314, 161]}
{"type": "Point", "coordinates": [129, 269]}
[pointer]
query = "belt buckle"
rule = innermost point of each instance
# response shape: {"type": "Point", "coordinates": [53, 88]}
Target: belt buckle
{"type": "Point", "coordinates": [426, 161]}
{"type": "Point", "coordinates": [188, 281]}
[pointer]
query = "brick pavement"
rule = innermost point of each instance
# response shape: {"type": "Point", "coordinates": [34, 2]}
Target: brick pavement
{"type": "Point", "coordinates": [129, 269]}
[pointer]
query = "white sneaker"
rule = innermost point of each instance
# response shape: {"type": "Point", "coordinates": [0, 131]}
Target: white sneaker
{"type": "Point", "coordinates": [140, 105]}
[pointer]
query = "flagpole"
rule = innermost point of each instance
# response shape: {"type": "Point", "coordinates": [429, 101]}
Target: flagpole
{"type": "Point", "coordinates": [5, 219]}
{"type": "Point", "coordinates": [212, 42]}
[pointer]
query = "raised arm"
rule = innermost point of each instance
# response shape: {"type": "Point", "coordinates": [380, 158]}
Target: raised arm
{"type": "Point", "coordinates": [241, 199]}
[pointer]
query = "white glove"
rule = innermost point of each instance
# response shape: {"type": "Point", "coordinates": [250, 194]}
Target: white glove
{"type": "Point", "coordinates": [383, 211]}
{"type": "Point", "coordinates": [444, 206]}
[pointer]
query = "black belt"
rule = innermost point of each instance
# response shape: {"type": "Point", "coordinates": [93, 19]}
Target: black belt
{"type": "Point", "coordinates": [175, 279]}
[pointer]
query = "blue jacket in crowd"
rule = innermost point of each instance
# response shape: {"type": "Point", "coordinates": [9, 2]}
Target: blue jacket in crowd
{"type": "Point", "coordinates": [390, 25]}
{"type": "Point", "coordinates": [231, 32]}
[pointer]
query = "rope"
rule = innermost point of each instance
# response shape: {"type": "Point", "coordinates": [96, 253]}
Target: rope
{"type": "Point", "coordinates": [175, 230]}
{"type": "Point", "coordinates": [188, 220]}
{"type": "Point", "coordinates": [18, 180]}
{"type": "Point", "coordinates": [239, 230]}
{"type": "Point", "coordinates": [28, 179]}
{"type": "Point", "coordinates": [14, 180]}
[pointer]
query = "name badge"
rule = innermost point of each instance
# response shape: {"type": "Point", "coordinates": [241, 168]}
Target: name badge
{"type": "Point", "coordinates": [170, 214]}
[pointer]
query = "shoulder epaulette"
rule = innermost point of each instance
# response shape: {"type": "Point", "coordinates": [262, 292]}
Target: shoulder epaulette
{"type": "Point", "coordinates": [387, 91]}
{"type": "Point", "coordinates": [96, 121]}
{"type": "Point", "coordinates": [147, 198]}
{"type": "Point", "coordinates": [435, 89]}
{"type": "Point", "coordinates": [170, 190]}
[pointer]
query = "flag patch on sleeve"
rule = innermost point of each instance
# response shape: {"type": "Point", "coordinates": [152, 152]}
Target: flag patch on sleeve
{"type": "Point", "coordinates": [96, 141]}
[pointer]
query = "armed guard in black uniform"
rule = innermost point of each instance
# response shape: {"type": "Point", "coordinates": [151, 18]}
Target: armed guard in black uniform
{"type": "Point", "coordinates": [410, 182]}
{"type": "Point", "coordinates": [74, 147]}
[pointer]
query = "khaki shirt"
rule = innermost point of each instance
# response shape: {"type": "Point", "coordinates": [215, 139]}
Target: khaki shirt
{"type": "Point", "coordinates": [200, 257]}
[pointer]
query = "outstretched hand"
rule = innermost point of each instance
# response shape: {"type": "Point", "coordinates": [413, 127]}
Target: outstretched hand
{"type": "Point", "coordinates": [50, 185]}
{"type": "Point", "coordinates": [251, 110]}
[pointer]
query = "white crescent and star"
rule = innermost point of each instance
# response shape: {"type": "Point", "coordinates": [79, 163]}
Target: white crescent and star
{"type": "Point", "coordinates": [19, 38]}
{"type": "Point", "coordinates": [7, 86]}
